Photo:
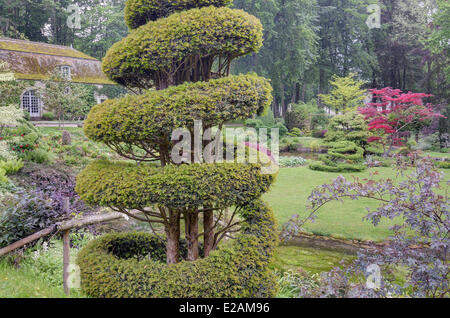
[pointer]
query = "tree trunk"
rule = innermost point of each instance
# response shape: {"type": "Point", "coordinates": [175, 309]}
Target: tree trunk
{"type": "Point", "coordinates": [304, 87]}
{"type": "Point", "coordinates": [208, 223]}
{"type": "Point", "coordinates": [191, 222]}
{"type": "Point", "coordinates": [173, 237]}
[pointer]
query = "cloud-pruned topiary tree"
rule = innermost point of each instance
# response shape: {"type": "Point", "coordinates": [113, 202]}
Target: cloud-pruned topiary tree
{"type": "Point", "coordinates": [177, 59]}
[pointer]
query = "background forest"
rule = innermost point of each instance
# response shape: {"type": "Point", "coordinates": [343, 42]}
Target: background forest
{"type": "Point", "coordinates": [306, 42]}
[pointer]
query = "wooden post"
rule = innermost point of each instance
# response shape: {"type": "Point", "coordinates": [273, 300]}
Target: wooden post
{"type": "Point", "coordinates": [68, 225]}
{"type": "Point", "coordinates": [66, 252]}
{"type": "Point", "coordinates": [66, 261]}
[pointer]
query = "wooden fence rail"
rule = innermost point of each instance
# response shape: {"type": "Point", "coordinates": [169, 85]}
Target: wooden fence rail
{"type": "Point", "coordinates": [65, 228]}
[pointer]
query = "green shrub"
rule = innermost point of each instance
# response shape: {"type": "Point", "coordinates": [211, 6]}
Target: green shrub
{"type": "Point", "coordinates": [314, 145]}
{"type": "Point", "coordinates": [131, 265]}
{"type": "Point", "coordinates": [319, 133]}
{"type": "Point", "coordinates": [430, 142]}
{"type": "Point", "coordinates": [108, 183]}
{"type": "Point", "coordinates": [442, 164]}
{"type": "Point", "coordinates": [282, 128]}
{"type": "Point", "coordinates": [292, 161]}
{"type": "Point", "coordinates": [342, 156]}
{"type": "Point", "coordinates": [3, 178]}
{"type": "Point", "coordinates": [48, 116]}
{"type": "Point", "coordinates": [159, 45]}
{"type": "Point", "coordinates": [38, 156]}
{"type": "Point", "coordinates": [11, 166]}
{"type": "Point", "coordinates": [215, 102]}
{"type": "Point", "coordinates": [305, 116]}
{"type": "Point", "coordinates": [295, 132]}
{"type": "Point", "coordinates": [23, 214]}
{"type": "Point", "coordinates": [373, 149]}
{"type": "Point", "coordinates": [268, 121]}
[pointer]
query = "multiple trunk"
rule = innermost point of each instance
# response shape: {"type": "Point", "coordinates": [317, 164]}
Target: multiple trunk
{"type": "Point", "coordinates": [191, 222]}
{"type": "Point", "coordinates": [173, 237]}
{"type": "Point", "coordinates": [208, 230]}
{"type": "Point", "coordinates": [191, 225]}
{"type": "Point", "coordinates": [191, 69]}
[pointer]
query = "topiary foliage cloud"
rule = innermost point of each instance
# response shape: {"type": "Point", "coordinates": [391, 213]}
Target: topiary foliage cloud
{"type": "Point", "coordinates": [343, 156]}
{"type": "Point", "coordinates": [188, 186]}
{"type": "Point", "coordinates": [130, 265]}
{"type": "Point", "coordinates": [178, 61]}
{"type": "Point", "coordinates": [141, 120]}
{"type": "Point", "coordinates": [183, 47]}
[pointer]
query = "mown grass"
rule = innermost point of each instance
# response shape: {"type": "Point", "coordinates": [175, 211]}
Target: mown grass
{"type": "Point", "coordinates": [289, 196]}
{"type": "Point", "coordinates": [434, 154]}
{"type": "Point", "coordinates": [39, 277]}
{"type": "Point", "coordinates": [23, 283]}
{"type": "Point", "coordinates": [311, 260]}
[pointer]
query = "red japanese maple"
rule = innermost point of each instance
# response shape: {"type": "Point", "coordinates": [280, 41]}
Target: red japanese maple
{"type": "Point", "coordinates": [395, 113]}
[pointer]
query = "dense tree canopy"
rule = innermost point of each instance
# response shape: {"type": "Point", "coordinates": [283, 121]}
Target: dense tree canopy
{"type": "Point", "coordinates": [306, 41]}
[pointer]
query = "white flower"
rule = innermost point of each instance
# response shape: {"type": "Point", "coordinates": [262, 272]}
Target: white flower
{"type": "Point", "coordinates": [10, 115]}
{"type": "Point", "coordinates": [36, 255]}
{"type": "Point", "coordinates": [5, 151]}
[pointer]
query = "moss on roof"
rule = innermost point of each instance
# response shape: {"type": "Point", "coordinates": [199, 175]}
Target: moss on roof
{"type": "Point", "coordinates": [27, 64]}
{"type": "Point", "coordinates": [76, 79]}
{"type": "Point", "coordinates": [41, 48]}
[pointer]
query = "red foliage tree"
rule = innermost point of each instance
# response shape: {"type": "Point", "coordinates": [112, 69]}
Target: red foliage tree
{"type": "Point", "coordinates": [395, 113]}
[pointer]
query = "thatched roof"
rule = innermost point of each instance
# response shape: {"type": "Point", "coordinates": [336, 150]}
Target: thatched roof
{"type": "Point", "coordinates": [35, 61]}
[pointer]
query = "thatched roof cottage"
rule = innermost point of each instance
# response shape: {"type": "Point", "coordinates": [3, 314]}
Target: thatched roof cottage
{"type": "Point", "coordinates": [36, 61]}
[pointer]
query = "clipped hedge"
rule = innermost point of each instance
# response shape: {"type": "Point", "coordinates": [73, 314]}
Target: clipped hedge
{"type": "Point", "coordinates": [343, 156]}
{"type": "Point", "coordinates": [130, 265]}
{"type": "Point", "coordinates": [119, 184]}
{"type": "Point", "coordinates": [442, 164]}
{"type": "Point", "coordinates": [147, 117]}
{"type": "Point", "coordinates": [159, 45]}
{"type": "Point", "coordinates": [139, 12]}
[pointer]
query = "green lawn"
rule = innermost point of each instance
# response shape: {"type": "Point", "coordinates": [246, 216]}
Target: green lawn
{"type": "Point", "coordinates": [23, 283]}
{"type": "Point", "coordinates": [36, 278]}
{"type": "Point", "coordinates": [289, 195]}
{"type": "Point", "coordinates": [312, 260]}
{"type": "Point", "coordinates": [437, 154]}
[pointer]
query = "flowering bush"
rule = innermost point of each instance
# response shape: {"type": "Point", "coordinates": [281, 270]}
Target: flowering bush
{"type": "Point", "coordinates": [396, 113]}
{"type": "Point", "coordinates": [10, 116]}
{"type": "Point", "coordinates": [5, 151]}
{"type": "Point", "coordinates": [292, 161]}
{"type": "Point", "coordinates": [419, 244]}
{"type": "Point", "coordinates": [20, 145]}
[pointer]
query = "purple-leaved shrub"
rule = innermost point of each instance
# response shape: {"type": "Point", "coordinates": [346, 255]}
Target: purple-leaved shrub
{"type": "Point", "coordinates": [414, 263]}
